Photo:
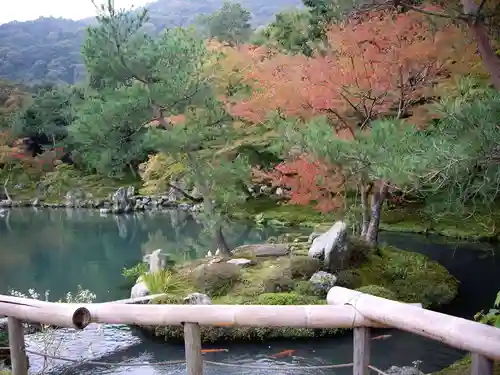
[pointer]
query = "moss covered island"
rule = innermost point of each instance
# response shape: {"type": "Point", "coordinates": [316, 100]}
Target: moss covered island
{"type": "Point", "coordinates": [283, 279]}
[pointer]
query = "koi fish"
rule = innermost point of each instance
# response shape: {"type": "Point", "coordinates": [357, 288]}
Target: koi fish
{"type": "Point", "coordinates": [381, 337]}
{"type": "Point", "coordinates": [284, 353]}
{"type": "Point", "coordinates": [203, 351]}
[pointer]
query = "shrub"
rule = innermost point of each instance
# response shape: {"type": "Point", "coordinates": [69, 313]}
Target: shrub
{"type": "Point", "coordinates": [216, 279]}
{"type": "Point", "coordinates": [360, 251]}
{"type": "Point", "coordinates": [378, 291]}
{"type": "Point", "coordinates": [308, 289]}
{"type": "Point", "coordinates": [303, 267]}
{"type": "Point", "coordinates": [134, 272]}
{"type": "Point", "coordinates": [348, 279]}
{"type": "Point", "coordinates": [165, 281]}
{"type": "Point", "coordinates": [278, 280]}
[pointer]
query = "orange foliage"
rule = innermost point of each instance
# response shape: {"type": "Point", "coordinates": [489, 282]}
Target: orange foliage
{"type": "Point", "coordinates": [382, 63]}
{"type": "Point", "coordinates": [308, 181]}
{"type": "Point", "coordinates": [378, 64]}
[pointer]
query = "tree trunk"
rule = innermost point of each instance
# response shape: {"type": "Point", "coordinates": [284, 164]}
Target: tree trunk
{"type": "Point", "coordinates": [220, 242]}
{"type": "Point", "coordinates": [159, 116]}
{"type": "Point", "coordinates": [378, 197]}
{"type": "Point", "coordinates": [488, 55]}
{"type": "Point", "coordinates": [365, 220]}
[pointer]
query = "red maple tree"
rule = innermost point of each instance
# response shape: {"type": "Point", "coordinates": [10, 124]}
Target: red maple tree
{"type": "Point", "coordinates": [382, 63]}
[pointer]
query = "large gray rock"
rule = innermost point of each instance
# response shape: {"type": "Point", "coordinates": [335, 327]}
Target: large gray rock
{"type": "Point", "coordinates": [323, 281]}
{"type": "Point", "coordinates": [404, 370]}
{"type": "Point", "coordinates": [139, 289]}
{"type": "Point", "coordinates": [332, 247]}
{"type": "Point", "coordinates": [121, 200]}
{"type": "Point", "coordinates": [263, 250]}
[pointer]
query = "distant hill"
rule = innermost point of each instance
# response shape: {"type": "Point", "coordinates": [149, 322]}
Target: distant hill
{"type": "Point", "coordinates": [48, 49]}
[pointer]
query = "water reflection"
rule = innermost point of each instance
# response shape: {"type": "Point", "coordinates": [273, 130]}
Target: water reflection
{"type": "Point", "coordinates": [57, 250]}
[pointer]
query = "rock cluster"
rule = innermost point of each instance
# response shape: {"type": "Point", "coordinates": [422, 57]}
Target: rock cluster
{"type": "Point", "coordinates": [332, 247]}
{"type": "Point", "coordinates": [124, 200]}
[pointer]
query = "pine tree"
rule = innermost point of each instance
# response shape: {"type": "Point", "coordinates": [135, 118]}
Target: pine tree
{"type": "Point", "coordinates": [138, 80]}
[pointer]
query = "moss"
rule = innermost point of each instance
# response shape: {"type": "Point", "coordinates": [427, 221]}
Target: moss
{"type": "Point", "coordinates": [348, 279]}
{"type": "Point", "coordinates": [378, 291]}
{"type": "Point", "coordinates": [216, 279]}
{"type": "Point", "coordinates": [211, 334]}
{"type": "Point", "coordinates": [303, 267]}
{"type": "Point", "coordinates": [385, 272]}
{"type": "Point", "coordinates": [463, 367]}
{"type": "Point", "coordinates": [267, 211]}
{"type": "Point", "coordinates": [478, 223]}
{"type": "Point", "coordinates": [290, 298]}
{"type": "Point", "coordinates": [411, 276]}
{"type": "Point", "coordinates": [25, 183]}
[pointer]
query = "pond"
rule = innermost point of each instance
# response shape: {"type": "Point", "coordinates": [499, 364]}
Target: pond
{"type": "Point", "coordinates": [58, 250]}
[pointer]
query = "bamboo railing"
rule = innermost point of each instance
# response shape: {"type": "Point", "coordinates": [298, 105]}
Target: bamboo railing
{"type": "Point", "coordinates": [346, 309]}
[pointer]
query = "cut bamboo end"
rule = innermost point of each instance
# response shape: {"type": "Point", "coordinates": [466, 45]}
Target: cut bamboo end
{"type": "Point", "coordinates": [81, 318]}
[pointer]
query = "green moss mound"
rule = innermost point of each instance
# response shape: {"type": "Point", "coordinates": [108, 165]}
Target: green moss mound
{"type": "Point", "coordinates": [475, 223]}
{"type": "Point", "coordinates": [385, 272]}
{"type": "Point", "coordinates": [378, 291]}
{"type": "Point", "coordinates": [413, 277]}
{"type": "Point", "coordinates": [463, 367]}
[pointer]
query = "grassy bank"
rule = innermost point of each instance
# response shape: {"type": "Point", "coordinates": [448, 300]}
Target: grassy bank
{"type": "Point", "coordinates": [26, 184]}
{"type": "Point", "coordinates": [283, 280]}
{"type": "Point", "coordinates": [483, 224]}
{"type": "Point", "coordinates": [463, 367]}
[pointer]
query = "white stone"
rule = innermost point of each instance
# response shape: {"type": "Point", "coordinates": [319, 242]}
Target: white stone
{"type": "Point", "coordinates": [335, 239]}
{"type": "Point", "coordinates": [239, 261]}
{"type": "Point", "coordinates": [139, 290]}
{"type": "Point", "coordinates": [156, 261]}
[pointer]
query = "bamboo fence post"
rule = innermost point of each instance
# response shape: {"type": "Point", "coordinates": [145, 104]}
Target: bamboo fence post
{"type": "Point", "coordinates": [19, 361]}
{"type": "Point", "coordinates": [481, 365]}
{"type": "Point", "coordinates": [192, 343]}
{"type": "Point", "coordinates": [361, 351]}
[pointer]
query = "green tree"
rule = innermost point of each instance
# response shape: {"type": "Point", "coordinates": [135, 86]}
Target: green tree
{"type": "Point", "coordinates": [139, 78]}
{"type": "Point", "coordinates": [136, 79]}
{"type": "Point", "coordinates": [48, 114]}
{"type": "Point", "coordinates": [455, 159]}
{"type": "Point", "coordinates": [290, 31]}
{"type": "Point", "coordinates": [218, 177]}
{"type": "Point", "coordinates": [230, 24]}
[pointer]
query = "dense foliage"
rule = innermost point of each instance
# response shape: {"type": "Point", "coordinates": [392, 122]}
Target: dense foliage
{"type": "Point", "coordinates": [351, 100]}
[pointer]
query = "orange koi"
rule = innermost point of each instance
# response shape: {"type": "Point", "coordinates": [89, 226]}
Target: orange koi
{"type": "Point", "coordinates": [284, 353]}
{"type": "Point", "coordinates": [381, 337]}
{"type": "Point", "coordinates": [203, 351]}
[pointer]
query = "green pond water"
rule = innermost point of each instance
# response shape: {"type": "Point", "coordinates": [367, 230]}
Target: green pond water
{"type": "Point", "coordinates": [57, 250]}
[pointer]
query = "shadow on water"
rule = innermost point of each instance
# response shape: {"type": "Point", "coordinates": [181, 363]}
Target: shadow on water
{"type": "Point", "coordinates": [52, 250]}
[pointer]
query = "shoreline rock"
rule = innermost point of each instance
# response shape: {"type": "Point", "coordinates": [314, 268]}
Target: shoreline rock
{"type": "Point", "coordinates": [122, 201]}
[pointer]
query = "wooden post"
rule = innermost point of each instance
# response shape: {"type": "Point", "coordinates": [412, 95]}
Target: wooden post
{"type": "Point", "coordinates": [17, 348]}
{"type": "Point", "coordinates": [192, 342]}
{"type": "Point", "coordinates": [481, 365]}
{"type": "Point", "coordinates": [361, 351]}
